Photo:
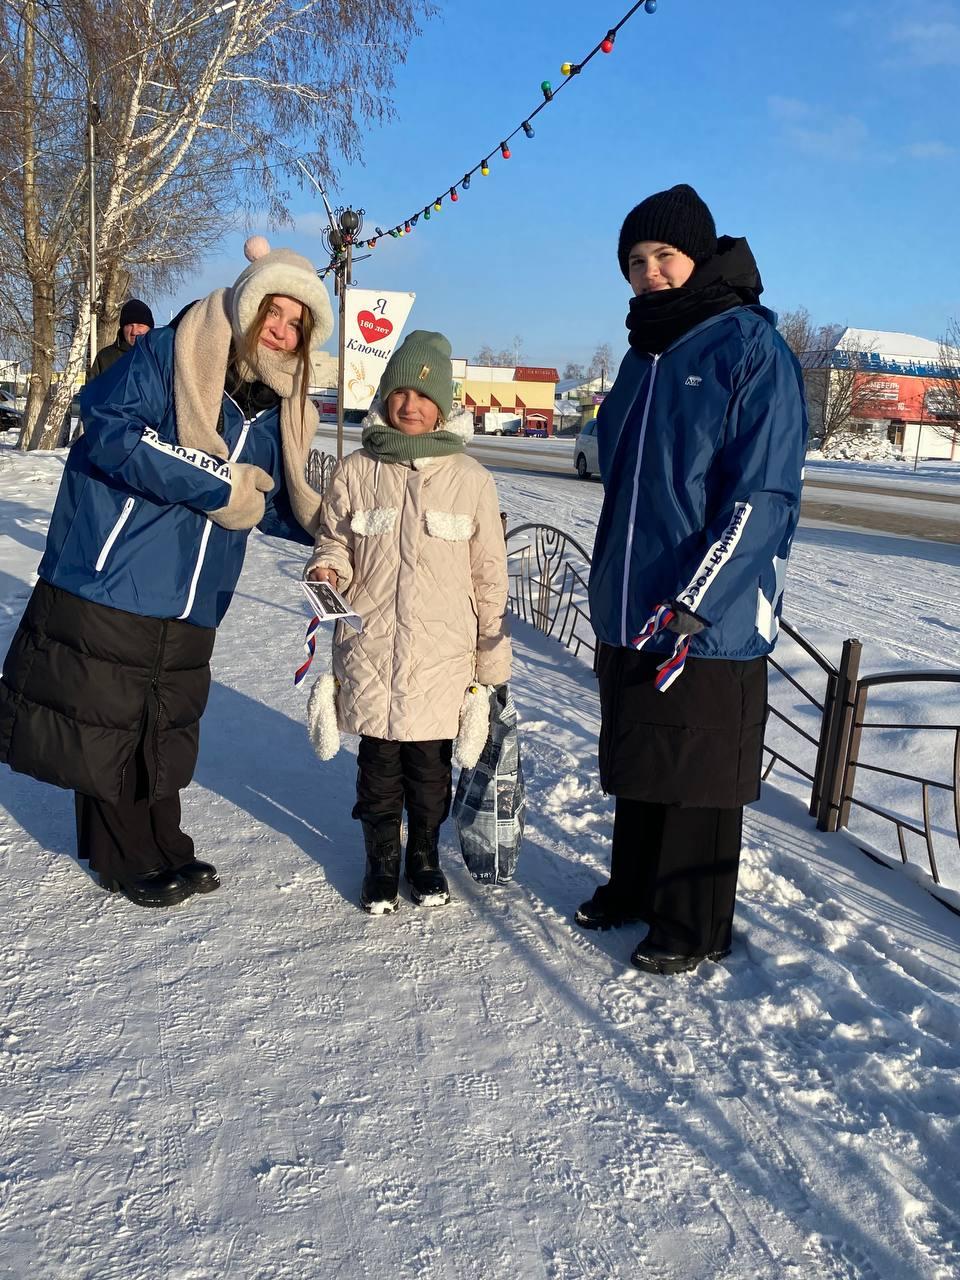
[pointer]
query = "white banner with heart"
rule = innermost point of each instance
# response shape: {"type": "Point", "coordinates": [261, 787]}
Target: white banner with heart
{"type": "Point", "coordinates": [374, 324]}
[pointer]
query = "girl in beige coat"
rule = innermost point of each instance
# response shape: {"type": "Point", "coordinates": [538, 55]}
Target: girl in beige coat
{"type": "Point", "coordinates": [410, 531]}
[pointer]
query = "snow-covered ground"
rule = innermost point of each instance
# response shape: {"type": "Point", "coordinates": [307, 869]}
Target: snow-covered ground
{"type": "Point", "coordinates": [266, 1084]}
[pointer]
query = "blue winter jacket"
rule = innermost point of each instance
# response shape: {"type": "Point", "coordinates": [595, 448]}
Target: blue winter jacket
{"type": "Point", "coordinates": [129, 528]}
{"type": "Point", "coordinates": [701, 452]}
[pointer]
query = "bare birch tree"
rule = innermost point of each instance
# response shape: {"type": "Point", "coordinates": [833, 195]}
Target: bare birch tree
{"type": "Point", "coordinates": [601, 362]}
{"type": "Point", "coordinates": [197, 116]}
{"type": "Point", "coordinates": [942, 399]}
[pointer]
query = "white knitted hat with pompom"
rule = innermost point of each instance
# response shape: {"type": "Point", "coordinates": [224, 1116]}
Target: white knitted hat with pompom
{"type": "Point", "coordinates": [279, 271]}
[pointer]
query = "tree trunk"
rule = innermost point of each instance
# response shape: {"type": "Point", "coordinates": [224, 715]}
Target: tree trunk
{"type": "Point", "coordinates": [114, 288]}
{"type": "Point", "coordinates": [41, 370]}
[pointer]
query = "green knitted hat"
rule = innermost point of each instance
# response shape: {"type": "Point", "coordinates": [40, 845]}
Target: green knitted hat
{"type": "Point", "coordinates": [421, 362]}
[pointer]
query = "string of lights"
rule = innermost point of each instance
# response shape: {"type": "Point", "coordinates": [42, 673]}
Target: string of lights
{"type": "Point", "coordinates": [569, 71]}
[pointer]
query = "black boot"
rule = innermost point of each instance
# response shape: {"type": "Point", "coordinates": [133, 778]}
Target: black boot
{"type": "Point", "coordinates": [202, 877]}
{"type": "Point", "coordinates": [379, 894]}
{"type": "Point", "coordinates": [428, 885]}
{"type": "Point", "coordinates": [160, 888]}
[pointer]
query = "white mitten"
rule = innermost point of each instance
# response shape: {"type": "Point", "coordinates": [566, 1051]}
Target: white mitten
{"type": "Point", "coordinates": [247, 503]}
{"type": "Point", "coordinates": [322, 717]}
{"type": "Point", "coordinates": [474, 725]}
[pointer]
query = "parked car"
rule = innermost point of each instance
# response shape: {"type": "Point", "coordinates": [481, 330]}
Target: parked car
{"type": "Point", "coordinates": [11, 416]}
{"type": "Point", "coordinates": [585, 457]}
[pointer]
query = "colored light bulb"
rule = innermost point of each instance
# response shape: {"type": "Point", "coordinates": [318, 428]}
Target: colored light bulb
{"type": "Point", "coordinates": [426, 214]}
{"type": "Point", "coordinates": [406, 228]}
{"type": "Point", "coordinates": [566, 68]}
{"type": "Point", "coordinates": [504, 151]}
{"type": "Point", "coordinates": [485, 168]}
{"type": "Point", "coordinates": [466, 182]}
{"type": "Point", "coordinates": [453, 195]}
{"type": "Point", "coordinates": [437, 205]}
{"type": "Point", "coordinates": [651, 6]}
{"type": "Point", "coordinates": [528, 128]}
{"type": "Point", "coordinates": [607, 44]}
{"type": "Point", "coordinates": [546, 88]}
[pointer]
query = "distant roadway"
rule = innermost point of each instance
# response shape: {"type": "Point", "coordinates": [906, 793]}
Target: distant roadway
{"type": "Point", "coordinates": [911, 507]}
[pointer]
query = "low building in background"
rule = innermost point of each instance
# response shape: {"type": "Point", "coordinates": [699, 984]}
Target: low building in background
{"type": "Point", "coordinates": [903, 387]}
{"type": "Point", "coordinates": [524, 392]}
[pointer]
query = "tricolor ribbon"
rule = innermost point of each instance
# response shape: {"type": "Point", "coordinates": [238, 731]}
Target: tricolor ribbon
{"type": "Point", "coordinates": [670, 669]}
{"type": "Point", "coordinates": [310, 648]}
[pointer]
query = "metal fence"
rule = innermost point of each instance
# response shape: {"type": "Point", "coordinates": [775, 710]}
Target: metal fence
{"type": "Point", "coordinates": [548, 572]}
{"type": "Point", "coordinates": [819, 726]}
{"type": "Point", "coordinates": [319, 469]}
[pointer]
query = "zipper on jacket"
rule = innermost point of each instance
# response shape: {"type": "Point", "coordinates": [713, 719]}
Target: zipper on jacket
{"type": "Point", "coordinates": [205, 536]}
{"type": "Point", "coordinates": [125, 512]}
{"type": "Point", "coordinates": [631, 523]}
{"type": "Point", "coordinates": [396, 601]}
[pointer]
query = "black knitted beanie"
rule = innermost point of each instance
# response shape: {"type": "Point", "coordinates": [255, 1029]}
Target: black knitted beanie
{"type": "Point", "coordinates": [678, 217]}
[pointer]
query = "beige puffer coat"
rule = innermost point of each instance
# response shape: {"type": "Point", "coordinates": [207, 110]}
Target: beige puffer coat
{"type": "Point", "coordinates": [418, 550]}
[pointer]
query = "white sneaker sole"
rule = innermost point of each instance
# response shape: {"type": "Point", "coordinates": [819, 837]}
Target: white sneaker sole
{"type": "Point", "coordinates": [381, 908]}
{"type": "Point", "coordinates": [431, 899]}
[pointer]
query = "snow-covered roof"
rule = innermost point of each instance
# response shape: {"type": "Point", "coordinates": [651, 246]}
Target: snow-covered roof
{"type": "Point", "coordinates": [569, 384]}
{"type": "Point", "coordinates": [892, 346]}
{"type": "Point", "coordinates": [879, 351]}
{"type": "Point", "coordinates": [566, 408]}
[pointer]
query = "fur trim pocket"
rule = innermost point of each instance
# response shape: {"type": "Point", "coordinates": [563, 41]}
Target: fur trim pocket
{"type": "Point", "coordinates": [322, 717]}
{"type": "Point", "coordinates": [375, 522]}
{"type": "Point", "coordinates": [474, 726]}
{"type": "Point", "coordinates": [449, 525]}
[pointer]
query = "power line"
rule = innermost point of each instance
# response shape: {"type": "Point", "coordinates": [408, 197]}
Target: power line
{"type": "Point", "coordinates": [569, 71]}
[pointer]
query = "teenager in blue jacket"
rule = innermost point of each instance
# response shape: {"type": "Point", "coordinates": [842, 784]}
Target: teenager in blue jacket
{"type": "Point", "coordinates": [198, 436]}
{"type": "Point", "coordinates": [701, 445]}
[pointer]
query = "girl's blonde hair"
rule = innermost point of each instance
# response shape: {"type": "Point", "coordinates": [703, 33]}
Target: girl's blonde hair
{"type": "Point", "coordinates": [246, 346]}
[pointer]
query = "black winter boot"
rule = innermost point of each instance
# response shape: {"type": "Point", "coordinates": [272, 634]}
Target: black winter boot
{"type": "Point", "coordinates": [379, 894]}
{"type": "Point", "coordinates": [428, 885]}
{"type": "Point", "coordinates": [159, 888]}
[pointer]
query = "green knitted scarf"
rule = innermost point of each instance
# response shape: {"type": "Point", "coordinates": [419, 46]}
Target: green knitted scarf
{"type": "Point", "coordinates": [387, 444]}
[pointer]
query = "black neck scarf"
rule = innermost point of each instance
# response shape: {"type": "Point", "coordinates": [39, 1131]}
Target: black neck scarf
{"type": "Point", "coordinates": [729, 279]}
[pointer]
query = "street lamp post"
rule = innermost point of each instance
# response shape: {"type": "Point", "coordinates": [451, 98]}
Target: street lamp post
{"type": "Point", "coordinates": [340, 236]}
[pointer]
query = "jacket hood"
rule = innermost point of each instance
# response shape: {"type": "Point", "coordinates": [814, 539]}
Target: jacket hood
{"type": "Point", "coordinates": [734, 265]}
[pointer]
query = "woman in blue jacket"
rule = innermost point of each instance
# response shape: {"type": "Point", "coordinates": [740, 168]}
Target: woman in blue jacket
{"type": "Point", "coordinates": [701, 444]}
{"type": "Point", "coordinates": [199, 435]}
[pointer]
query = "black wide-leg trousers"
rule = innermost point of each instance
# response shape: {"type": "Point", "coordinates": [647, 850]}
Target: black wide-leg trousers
{"type": "Point", "coordinates": [676, 867]}
{"type": "Point", "coordinates": [136, 836]}
{"type": "Point", "coordinates": [391, 775]}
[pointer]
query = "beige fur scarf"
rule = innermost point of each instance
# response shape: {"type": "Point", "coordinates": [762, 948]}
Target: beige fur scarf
{"type": "Point", "coordinates": [201, 350]}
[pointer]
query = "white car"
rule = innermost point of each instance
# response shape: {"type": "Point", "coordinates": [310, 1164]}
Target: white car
{"type": "Point", "coordinates": [585, 457]}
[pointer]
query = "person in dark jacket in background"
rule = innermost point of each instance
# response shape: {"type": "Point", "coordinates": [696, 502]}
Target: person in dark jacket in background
{"type": "Point", "coordinates": [701, 443]}
{"type": "Point", "coordinates": [199, 436]}
{"type": "Point", "coordinates": [136, 319]}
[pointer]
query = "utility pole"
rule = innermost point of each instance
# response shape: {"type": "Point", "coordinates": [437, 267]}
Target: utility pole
{"type": "Point", "coordinates": [923, 394]}
{"type": "Point", "coordinates": [93, 119]}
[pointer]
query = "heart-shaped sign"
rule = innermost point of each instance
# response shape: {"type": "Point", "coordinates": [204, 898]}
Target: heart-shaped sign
{"type": "Point", "coordinates": [374, 328]}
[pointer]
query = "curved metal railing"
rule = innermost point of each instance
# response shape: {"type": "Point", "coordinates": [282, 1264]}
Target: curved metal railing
{"type": "Point", "coordinates": [548, 574]}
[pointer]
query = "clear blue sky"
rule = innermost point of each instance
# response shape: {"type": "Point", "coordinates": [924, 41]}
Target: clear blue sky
{"type": "Point", "coordinates": [828, 133]}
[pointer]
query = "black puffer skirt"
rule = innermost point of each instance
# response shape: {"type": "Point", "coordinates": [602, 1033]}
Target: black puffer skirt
{"type": "Point", "coordinates": [83, 684]}
{"type": "Point", "coordinates": [699, 744]}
